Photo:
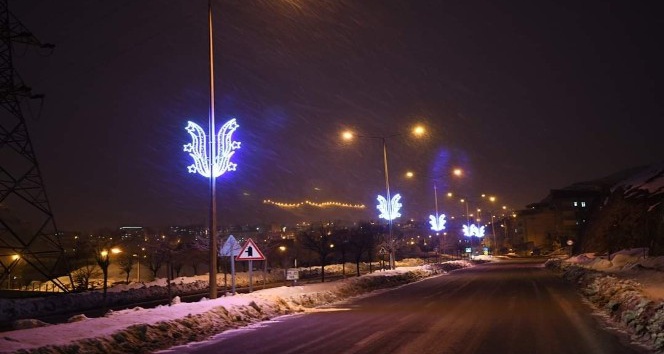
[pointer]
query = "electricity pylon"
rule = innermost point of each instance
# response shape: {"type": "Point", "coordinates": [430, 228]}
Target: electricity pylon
{"type": "Point", "coordinates": [28, 234]}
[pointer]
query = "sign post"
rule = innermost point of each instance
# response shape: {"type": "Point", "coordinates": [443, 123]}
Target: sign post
{"type": "Point", "coordinates": [382, 252]}
{"type": "Point", "coordinates": [231, 248]}
{"type": "Point", "coordinates": [250, 252]}
{"type": "Point", "coordinates": [292, 274]}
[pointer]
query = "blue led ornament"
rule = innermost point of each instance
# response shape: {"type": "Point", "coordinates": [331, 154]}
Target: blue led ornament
{"type": "Point", "coordinates": [224, 148]}
{"type": "Point", "coordinates": [437, 224]}
{"type": "Point", "coordinates": [389, 211]}
{"type": "Point", "coordinates": [473, 230]}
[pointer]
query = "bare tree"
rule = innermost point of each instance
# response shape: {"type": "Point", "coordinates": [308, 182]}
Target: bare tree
{"type": "Point", "coordinates": [126, 262]}
{"type": "Point", "coordinates": [82, 275]}
{"type": "Point", "coordinates": [155, 261]}
{"type": "Point", "coordinates": [363, 240]}
{"type": "Point", "coordinates": [319, 241]}
{"type": "Point", "coordinates": [102, 256]}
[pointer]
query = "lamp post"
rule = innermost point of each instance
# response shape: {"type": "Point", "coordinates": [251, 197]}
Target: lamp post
{"type": "Point", "coordinates": [15, 259]}
{"type": "Point", "coordinates": [213, 197]}
{"type": "Point", "coordinates": [138, 267]}
{"type": "Point", "coordinates": [212, 154]}
{"type": "Point", "coordinates": [417, 131]}
{"type": "Point", "coordinates": [492, 199]}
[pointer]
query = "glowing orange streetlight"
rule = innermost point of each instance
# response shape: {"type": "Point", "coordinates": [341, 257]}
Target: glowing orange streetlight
{"type": "Point", "coordinates": [419, 130]}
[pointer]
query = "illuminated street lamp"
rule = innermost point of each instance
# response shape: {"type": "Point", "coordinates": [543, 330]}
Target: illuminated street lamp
{"type": "Point", "coordinates": [388, 202]}
{"type": "Point", "coordinates": [15, 259]}
{"type": "Point", "coordinates": [103, 260]}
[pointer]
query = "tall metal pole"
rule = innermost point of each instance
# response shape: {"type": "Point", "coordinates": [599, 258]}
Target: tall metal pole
{"type": "Point", "coordinates": [213, 154]}
{"type": "Point", "coordinates": [389, 204]}
{"type": "Point", "coordinates": [435, 198]}
{"type": "Point", "coordinates": [493, 229]}
{"type": "Point", "coordinates": [468, 226]}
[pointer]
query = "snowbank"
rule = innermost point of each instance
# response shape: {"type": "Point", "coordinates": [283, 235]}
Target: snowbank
{"type": "Point", "coordinates": [144, 330]}
{"type": "Point", "coordinates": [118, 295]}
{"type": "Point", "coordinates": [610, 286]}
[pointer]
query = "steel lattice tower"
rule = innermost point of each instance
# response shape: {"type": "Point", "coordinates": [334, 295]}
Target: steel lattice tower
{"type": "Point", "coordinates": [28, 234]}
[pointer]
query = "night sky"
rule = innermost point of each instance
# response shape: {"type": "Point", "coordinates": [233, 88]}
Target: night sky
{"type": "Point", "coordinates": [525, 96]}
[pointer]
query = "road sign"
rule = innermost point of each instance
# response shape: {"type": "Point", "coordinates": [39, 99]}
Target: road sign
{"type": "Point", "coordinates": [382, 250]}
{"type": "Point", "coordinates": [230, 244]}
{"type": "Point", "coordinates": [292, 274]}
{"type": "Point", "coordinates": [250, 252]}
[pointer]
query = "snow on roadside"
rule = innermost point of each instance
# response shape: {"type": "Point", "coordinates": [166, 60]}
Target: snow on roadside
{"type": "Point", "coordinates": [610, 286]}
{"type": "Point", "coordinates": [146, 330]}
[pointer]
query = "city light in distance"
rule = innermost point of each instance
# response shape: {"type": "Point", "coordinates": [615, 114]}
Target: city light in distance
{"type": "Point", "coordinates": [318, 205]}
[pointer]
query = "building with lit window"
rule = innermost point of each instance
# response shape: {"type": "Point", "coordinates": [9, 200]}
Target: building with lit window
{"type": "Point", "coordinates": [561, 216]}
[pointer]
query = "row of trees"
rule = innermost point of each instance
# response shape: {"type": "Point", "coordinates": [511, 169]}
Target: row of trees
{"type": "Point", "coordinates": [186, 253]}
{"type": "Point", "coordinates": [91, 256]}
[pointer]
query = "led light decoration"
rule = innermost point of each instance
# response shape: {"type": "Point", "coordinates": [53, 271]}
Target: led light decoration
{"type": "Point", "coordinates": [318, 205]}
{"type": "Point", "coordinates": [199, 148]}
{"type": "Point", "coordinates": [437, 224]}
{"type": "Point", "coordinates": [389, 211]}
{"type": "Point", "coordinates": [473, 230]}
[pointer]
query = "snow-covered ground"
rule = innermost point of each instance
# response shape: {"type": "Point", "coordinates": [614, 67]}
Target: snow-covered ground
{"type": "Point", "coordinates": [627, 287]}
{"type": "Point", "coordinates": [145, 330]}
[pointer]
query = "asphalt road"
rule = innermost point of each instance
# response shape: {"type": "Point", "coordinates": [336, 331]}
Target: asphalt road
{"type": "Point", "coordinates": [492, 308]}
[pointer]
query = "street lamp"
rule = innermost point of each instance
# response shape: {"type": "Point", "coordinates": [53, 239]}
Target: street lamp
{"type": "Point", "coordinates": [15, 259]}
{"type": "Point", "coordinates": [417, 131]}
{"type": "Point", "coordinates": [212, 155]}
{"type": "Point", "coordinates": [103, 260]}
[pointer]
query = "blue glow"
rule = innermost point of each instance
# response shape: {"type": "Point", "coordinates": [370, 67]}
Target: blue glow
{"type": "Point", "coordinates": [225, 148]}
{"type": "Point", "coordinates": [473, 230]}
{"type": "Point", "coordinates": [437, 224]}
{"type": "Point", "coordinates": [389, 211]}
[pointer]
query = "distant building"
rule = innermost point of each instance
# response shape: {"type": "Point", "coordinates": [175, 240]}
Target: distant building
{"type": "Point", "coordinates": [132, 233]}
{"type": "Point", "coordinates": [560, 217]}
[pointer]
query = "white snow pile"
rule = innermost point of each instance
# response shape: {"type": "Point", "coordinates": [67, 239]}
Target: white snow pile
{"type": "Point", "coordinates": [628, 288]}
{"type": "Point", "coordinates": [118, 295]}
{"type": "Point", "coordinates": [141, 330]}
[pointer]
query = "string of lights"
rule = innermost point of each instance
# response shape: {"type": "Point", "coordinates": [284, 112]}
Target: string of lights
{"type": "Point", "coordinates": [318, 205]}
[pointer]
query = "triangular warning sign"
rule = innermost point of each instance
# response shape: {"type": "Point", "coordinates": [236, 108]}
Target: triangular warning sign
{"type": "Point", "coordinates": [250, 252]}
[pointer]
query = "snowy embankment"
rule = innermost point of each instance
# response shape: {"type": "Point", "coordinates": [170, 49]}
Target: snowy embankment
{"type": "Point", "coordinates": [118, 295]}
{"type": "Point", "coordinates": [144, 330]}
{"type": "Point", "coordinates": [611, 288]}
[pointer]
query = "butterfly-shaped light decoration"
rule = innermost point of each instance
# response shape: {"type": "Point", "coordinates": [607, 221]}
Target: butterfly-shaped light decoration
{"type": "Point", "coordinates": [389, 211]}
{"type": "Point", "coordinates": [473, 230]}
{"type": "Point", "coordinates": [479, 231]}
{"type": "Point", "coordinates": [199, 146]}
{"type": "Point", "coordinates": [437, 224]}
